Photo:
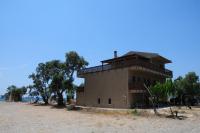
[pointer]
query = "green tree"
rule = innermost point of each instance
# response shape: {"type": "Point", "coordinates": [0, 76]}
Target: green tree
{"type": "Point", "coordinates": [74, 63]}
{"type": "Point", "coordinates": [71, 92]}
{"type": "Point", "coordinates": [41, 81]}
{"type": "Point", "coordinates": [162, 91]}
{"type": "Point", "coordinates": [56, 77]}
{"type": "Point", "coordinates": [62, 75]}
{"type": "Point", "coordinates": [191, 84]}
{"type": "Point", "coordinates": [179, 86]}
{"type": "Point", "coordinates": [187, 86]}
{"type": "Point", "coordinates": [15, 94]}
{"type": "Point", "coordinates": [59, 79]}
{"type": "Point", "coordinates": [179, 90]}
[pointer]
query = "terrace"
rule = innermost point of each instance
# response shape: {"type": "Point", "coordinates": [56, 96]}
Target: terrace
{"type": "Point", "coordinates": [130, 63]}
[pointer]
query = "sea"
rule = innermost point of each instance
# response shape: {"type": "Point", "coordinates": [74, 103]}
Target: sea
{"type": "Point", "coordinates": [30, 99]}
{"type": "Point", "coordinates": [24, 99]}
{"type": "Point", "coordinates": [2, 99]}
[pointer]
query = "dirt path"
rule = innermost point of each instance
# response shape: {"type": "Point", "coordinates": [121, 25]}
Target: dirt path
{"type": "Point", "coordinates": [23, 118]}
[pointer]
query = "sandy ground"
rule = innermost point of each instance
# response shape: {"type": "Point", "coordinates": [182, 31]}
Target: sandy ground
{"type": "Point", "coordinates": [25, 118]}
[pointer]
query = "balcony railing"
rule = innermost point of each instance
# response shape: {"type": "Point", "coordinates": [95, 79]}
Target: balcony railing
{"type": "Point", "coordinates": [168, 72]}
{"type": "Point", "coordinates": [137, 88]}
{"type": "Point", "coordinates": [122, 64]}
{"type": "Point", "coordinates": [94, 69]}
{"type": "Point", "coordinates": [144, 64]}
{"type": "Point", "coordinates": [80, 89]}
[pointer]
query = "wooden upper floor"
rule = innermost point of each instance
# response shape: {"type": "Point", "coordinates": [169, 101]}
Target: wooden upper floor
{"type": "Point", "coordinates": [150, 61]}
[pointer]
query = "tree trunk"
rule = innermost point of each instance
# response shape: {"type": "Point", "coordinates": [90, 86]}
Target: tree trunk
{"type": "Point", "coordinates": [68, 99]}
{"type": "Point", "coordinates": [45, 100]}
{"type": "Point", "coordinates": [60, 99]}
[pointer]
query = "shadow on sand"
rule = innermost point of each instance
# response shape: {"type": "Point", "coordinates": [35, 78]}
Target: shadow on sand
{"type": "Point", "coordinates": [38, 104]}
{"type": "Point", "coordinates": [57, 106]}
{"type": "Point", "coordinates": [180, 117]}
{"type": "Point", "coordinates": [75, 108]}
{"type": "Point", "coordinates": [196, 106]}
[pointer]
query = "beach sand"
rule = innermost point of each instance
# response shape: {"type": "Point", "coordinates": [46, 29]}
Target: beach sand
{"type": "Point", "coordinates": [26, 118]}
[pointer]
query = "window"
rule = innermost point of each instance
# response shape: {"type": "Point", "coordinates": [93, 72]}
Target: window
{"type": "Point", "coordinates": [133, 79]}
{"type": "Point", "coordinates": [154, 82]}
{"type": "Point", "coordinates": [99, 101]}
{"type": "Point", "coordinates": [143, 80]}
{"type": "Point", "coordinates": [138, 79]}
{"type": "Point", "coordinates": [109, 101]}
{"type": "Point", "coordinates": [148, 82]}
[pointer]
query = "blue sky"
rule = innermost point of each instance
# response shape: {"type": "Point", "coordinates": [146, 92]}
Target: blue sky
{"type": "Point", "coordinates": [34, 31]}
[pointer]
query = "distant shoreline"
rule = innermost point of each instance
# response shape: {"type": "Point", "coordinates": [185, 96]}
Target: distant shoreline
{"type": "Point", "coordinates": [2, 100]}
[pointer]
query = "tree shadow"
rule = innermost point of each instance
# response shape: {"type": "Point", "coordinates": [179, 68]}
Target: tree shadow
{"type": "Point", "coordinates": [58, 106]}
{"type": "Point", "coordinates": [39, 104]}
{"type": "Point", "coordinates": [77, 108]}
{"type": "Point", "coordinates": [196, 106]}
{"type": "Point", "coordinates": [73, 108]}
{"type": "Point", "coordinates": [180, 117]}
{"type": "Point", "coordinates": [55, 106]}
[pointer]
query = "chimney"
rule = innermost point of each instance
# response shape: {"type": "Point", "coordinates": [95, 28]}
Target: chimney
{"type": "Point", "coordinates": [115, 54]}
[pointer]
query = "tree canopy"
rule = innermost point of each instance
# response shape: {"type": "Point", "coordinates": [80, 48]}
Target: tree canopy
{"type": "Point", "coordinates": [162, 90]}
{"type": "Point", "coordinates": [56, 77]}
{"type": "Point", "coordinates": [41, 81]}
{"type": "Point", "coordinates": [14, 93]}
{"type": "Point", "coordinates": [180, 88]}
